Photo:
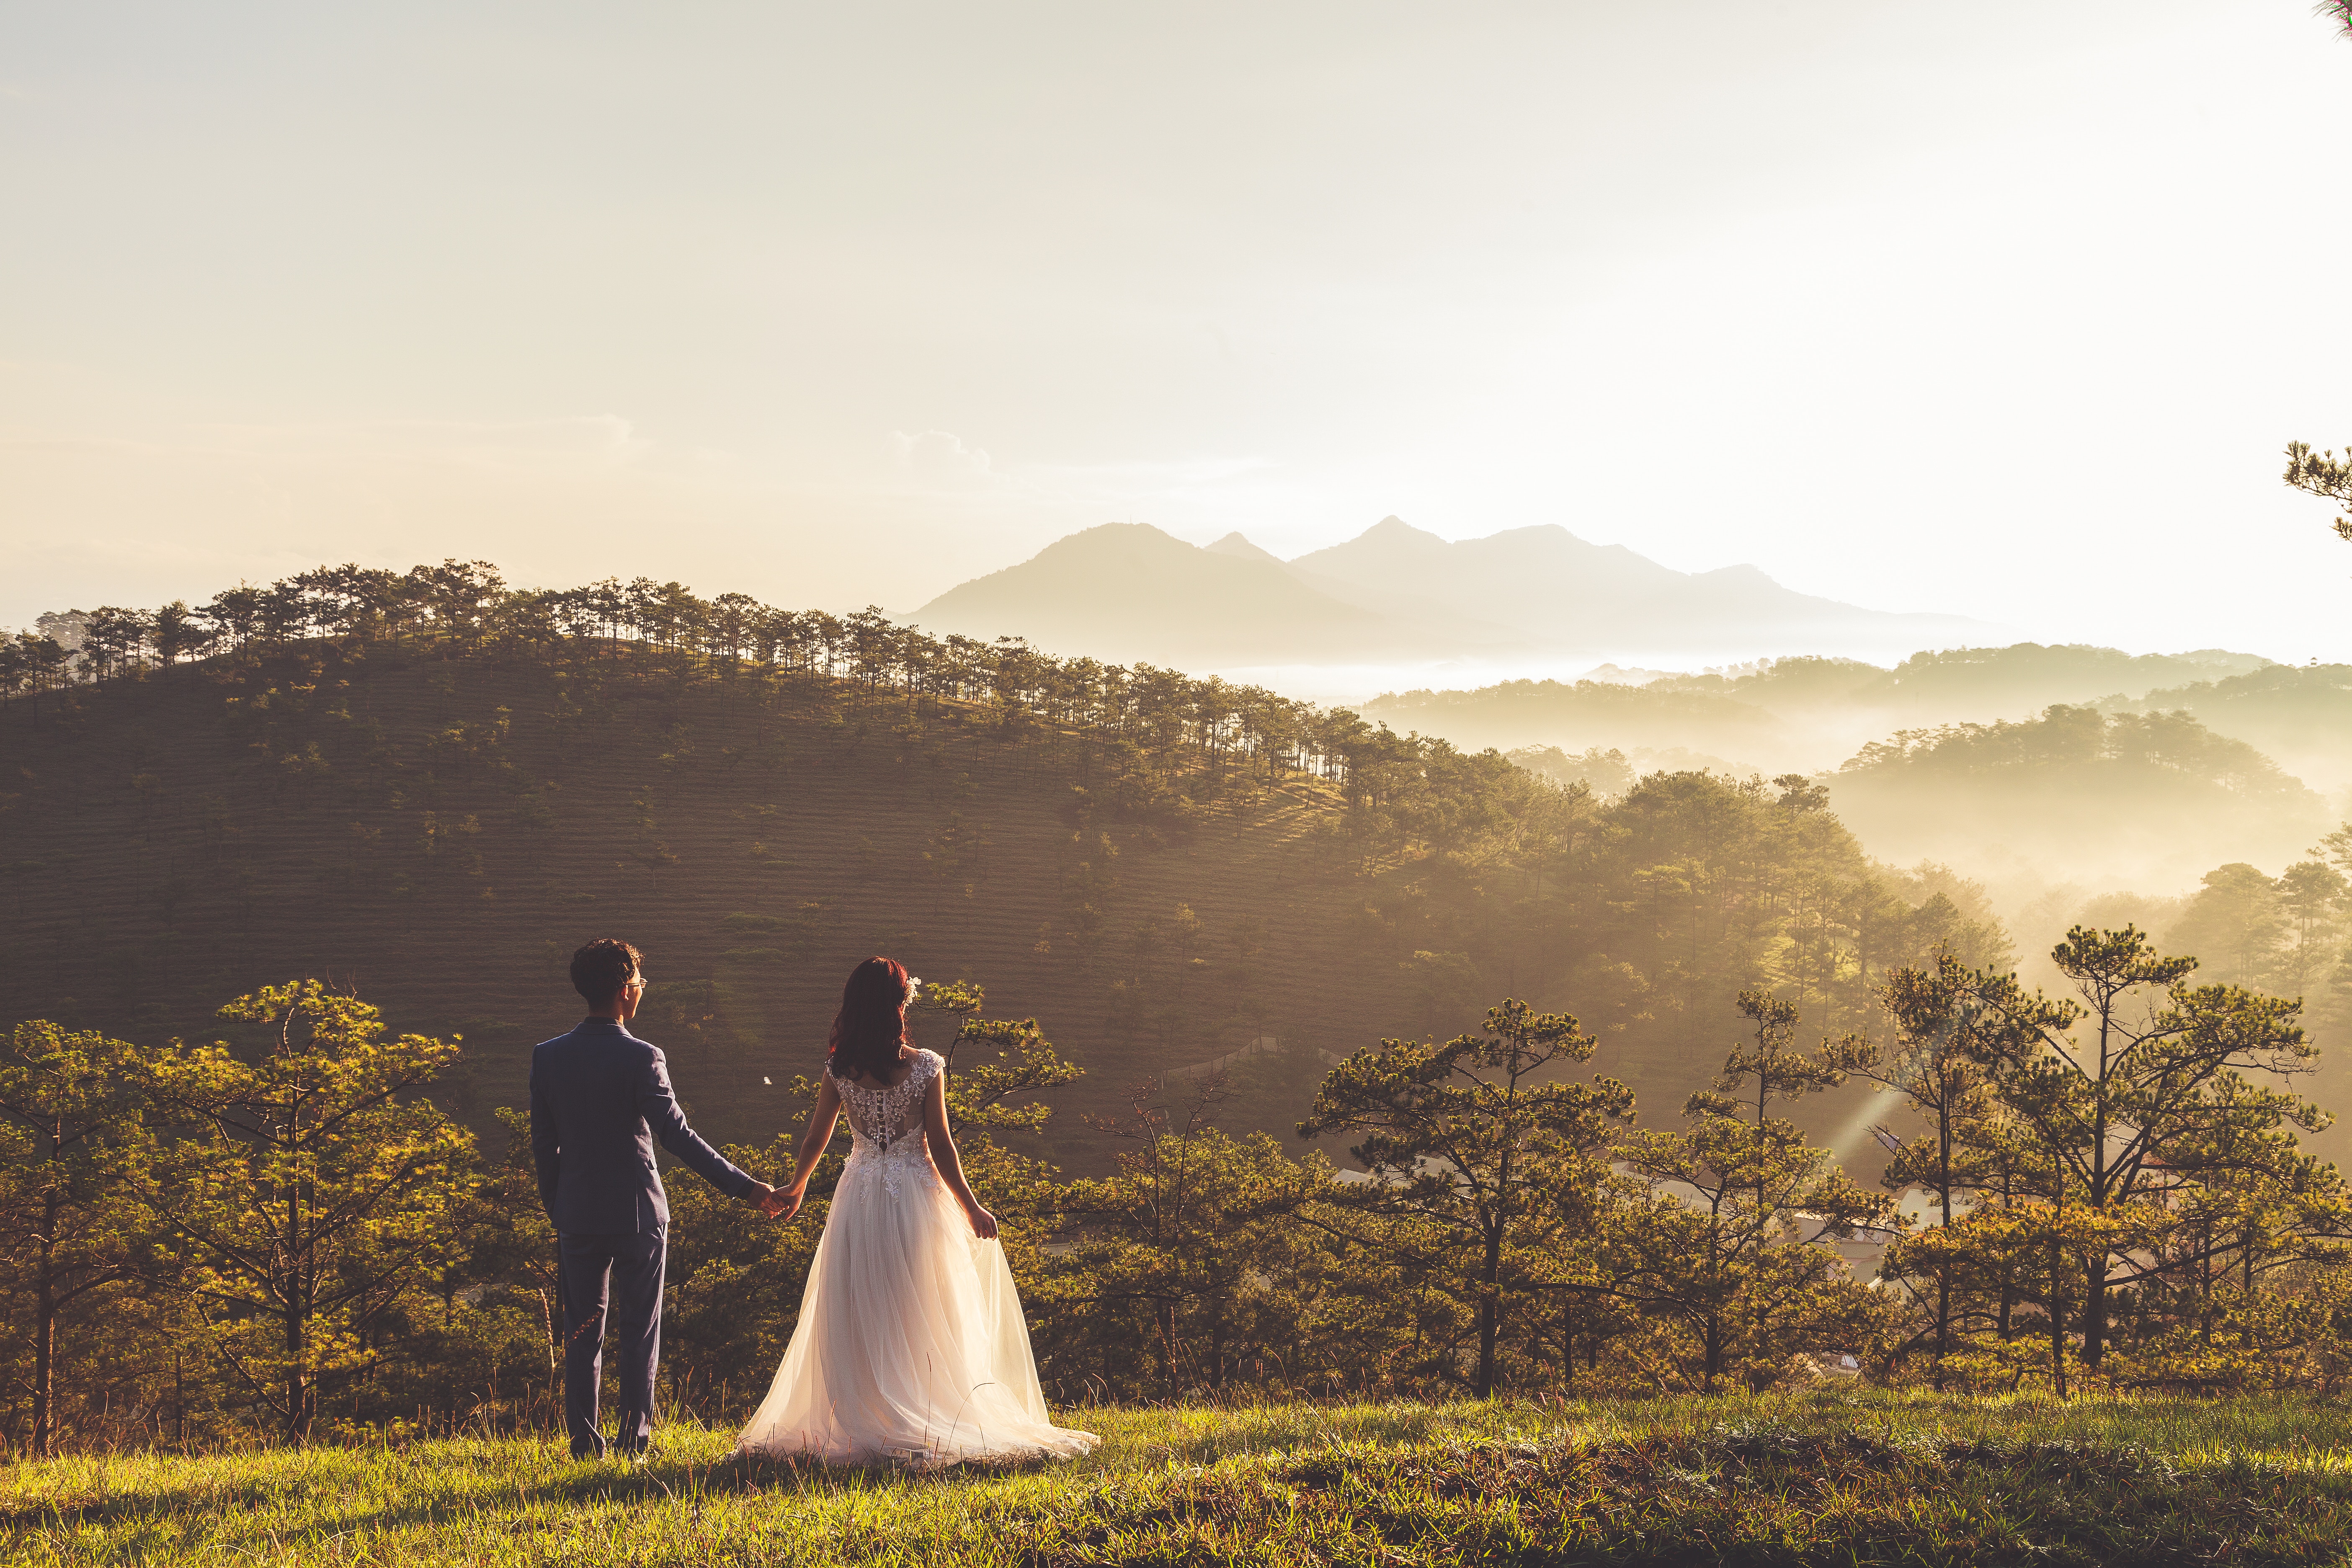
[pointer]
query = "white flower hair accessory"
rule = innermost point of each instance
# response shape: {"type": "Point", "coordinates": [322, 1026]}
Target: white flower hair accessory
{"type": "Point", "coordinates": [914, 988]}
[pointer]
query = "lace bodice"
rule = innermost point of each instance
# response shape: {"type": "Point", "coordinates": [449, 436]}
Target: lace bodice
{"type": "Point", "coordinates": [886, 1124]}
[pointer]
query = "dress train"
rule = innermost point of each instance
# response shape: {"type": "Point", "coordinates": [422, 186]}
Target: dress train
{"type": "Point", "coordinates": [910, 1344]}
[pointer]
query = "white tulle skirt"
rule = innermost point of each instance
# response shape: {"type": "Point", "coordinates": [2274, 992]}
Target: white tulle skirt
{"type": "Point", "coordinates": [910, 1344]}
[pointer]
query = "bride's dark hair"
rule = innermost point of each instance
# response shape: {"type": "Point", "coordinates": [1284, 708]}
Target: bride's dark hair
{"type": "Point", "coordinates": [872, 1023]}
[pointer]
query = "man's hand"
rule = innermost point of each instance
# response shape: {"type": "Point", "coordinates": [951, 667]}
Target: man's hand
{"type": "Point", "coordinates": [772, 1202]}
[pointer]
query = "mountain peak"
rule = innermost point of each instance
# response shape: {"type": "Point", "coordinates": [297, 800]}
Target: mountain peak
{"type": "Point", "coordinates": [1388, 545]}
{"type": "Point", "coordinates": [1236, 546]}
{"type": "Point", "coordinates": [1108, 533]}
{"type": "Point", "coordinates": [1394, 530]}
{"type": "Point", "coordinates": [1128, 590]}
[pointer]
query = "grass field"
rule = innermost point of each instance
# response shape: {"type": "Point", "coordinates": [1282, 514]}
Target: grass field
{"type": "Point", "coordinates": [1833, 1478]}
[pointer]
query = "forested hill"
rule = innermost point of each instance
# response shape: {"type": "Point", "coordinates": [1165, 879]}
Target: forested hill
{"type": "Point", "coordinates": [431, 788]}
{"type": "Point", "coordinates": [1811, 712]}
{"type": "Point", "coordinates": [2157, 799]}
{"type": "Point", "coordinates": [2299, 714]}
{"type": "Point", "coordinates": [2178, 779]}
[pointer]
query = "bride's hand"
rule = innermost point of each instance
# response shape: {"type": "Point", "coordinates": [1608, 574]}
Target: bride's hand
{"type": "Point", "coordinates": [983, 1224]}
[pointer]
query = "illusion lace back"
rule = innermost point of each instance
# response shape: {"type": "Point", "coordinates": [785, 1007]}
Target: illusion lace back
{"type": "Point", "coordinates": [886, 1126]}
{"type": "Point", "coordinates": [910, 1342]}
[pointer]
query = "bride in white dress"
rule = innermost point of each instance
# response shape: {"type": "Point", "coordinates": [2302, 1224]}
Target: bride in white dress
{"type": "Point", "coordinates": [910, 1344]}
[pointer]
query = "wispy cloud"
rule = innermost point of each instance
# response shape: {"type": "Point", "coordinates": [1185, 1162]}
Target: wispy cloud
{"type": "Point", "coordinates": [937, 457]}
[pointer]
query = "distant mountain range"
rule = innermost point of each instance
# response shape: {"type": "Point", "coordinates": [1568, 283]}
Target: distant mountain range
{"type": "Point", "coordinates": [1128, 591]}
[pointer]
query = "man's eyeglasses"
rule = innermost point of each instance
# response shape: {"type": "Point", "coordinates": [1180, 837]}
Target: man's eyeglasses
{"type": "Point", "coordinates": [636, 984]}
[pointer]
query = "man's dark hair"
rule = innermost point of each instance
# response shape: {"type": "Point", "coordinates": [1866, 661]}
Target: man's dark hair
{"type": "Point", "coordinates": [602, 968]}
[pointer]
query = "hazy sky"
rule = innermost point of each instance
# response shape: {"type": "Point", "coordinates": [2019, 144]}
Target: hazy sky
{"type": "Point", "coordinates": [2003, 309]}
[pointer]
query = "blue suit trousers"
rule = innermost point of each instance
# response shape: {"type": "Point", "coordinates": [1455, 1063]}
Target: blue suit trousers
{"type": "Point", "coordinates": [627, 1271]}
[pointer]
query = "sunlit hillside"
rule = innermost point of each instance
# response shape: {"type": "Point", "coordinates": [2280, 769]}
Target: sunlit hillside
{"type": "Point", "coordinates": [1163, 871]}
{"type": "Point", "coordinates": [2151, 801]}
{"type": "Point", "coordinates": [441, 834]}
{"type": "Point", "coordinates": [2300, 714]}
{"type": "Point", "coordinates": [2245, 761]}
{"type": "Point", "coordinates": [1811, 713]}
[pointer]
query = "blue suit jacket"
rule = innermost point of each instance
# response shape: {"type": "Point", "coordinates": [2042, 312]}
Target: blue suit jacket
{"type": "Point", "coordinates": [599, 1097]}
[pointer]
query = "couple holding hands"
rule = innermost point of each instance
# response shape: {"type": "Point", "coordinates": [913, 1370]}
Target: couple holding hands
{"type": "Point", "coordinates": [910, 1344]}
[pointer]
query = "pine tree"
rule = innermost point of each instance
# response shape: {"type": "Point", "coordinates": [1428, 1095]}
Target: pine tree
{"type": "Point", "coordinates": [74, 1154]}
{"type": "Point", "coordinates": [2124, 1090]}
{"type": "Point", "coordinates": [1721, 1241]}
{"type": "Point", "coordinates": [1185, 1254]}
{"type": "Point", "coordinates": [310, 1187]}
{"type": "Point", "coordinates": [1945, 1043]}
{"type": "Point", "coordinates": [1484, 1158]}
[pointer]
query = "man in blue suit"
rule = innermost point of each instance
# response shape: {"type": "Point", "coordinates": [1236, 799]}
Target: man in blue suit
{"type": "Point", "coordinates": [599, 1097]}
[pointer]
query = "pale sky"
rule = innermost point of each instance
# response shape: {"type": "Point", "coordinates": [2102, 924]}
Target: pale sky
{"type": "Point", "coordinates": [2002, 309]}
